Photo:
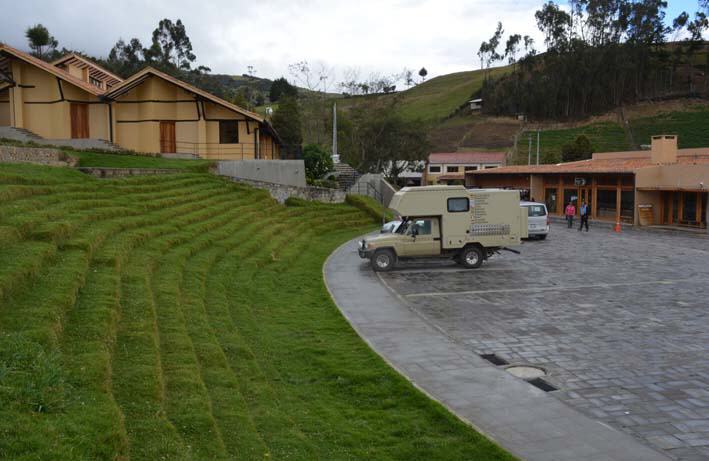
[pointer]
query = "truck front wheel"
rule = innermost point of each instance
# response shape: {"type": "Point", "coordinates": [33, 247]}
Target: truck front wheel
{"type": "Point", "coordinates": [471, 257]}
{"type": "Point", "coordinates": [383, 260]}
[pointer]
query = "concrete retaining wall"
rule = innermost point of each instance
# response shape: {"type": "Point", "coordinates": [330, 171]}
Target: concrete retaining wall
{"type": "Point", "coordinates": [282, 192]}
{"type": "Point", "coordinates": [384, 190]}
{"type": "Point", "coordinates": [40, 155]}
{"type": "Point", "coordinates": [284, 172]}
{"type": "Point", "coordinates": [121, 172]}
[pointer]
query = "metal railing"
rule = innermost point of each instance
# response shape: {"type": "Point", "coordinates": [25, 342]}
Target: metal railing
{"type": "Point", "coordinates": [240, 151]}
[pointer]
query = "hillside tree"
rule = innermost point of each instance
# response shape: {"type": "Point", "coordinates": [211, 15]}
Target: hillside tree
{"type": "Point", "coordinates": [171, 46]}
{"type": "Point", "coordinates": [287, 121]}
{"type": "Point", "coordinates": [41, 42]}
{"type": "Point", "coordinates": [281, 88]}
{"type": "Point", "coordinates": [423, 73]}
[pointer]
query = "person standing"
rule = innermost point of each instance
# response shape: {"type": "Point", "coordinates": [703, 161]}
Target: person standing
{"type": "Point", "coordinates": [584, 211]}
{"type": "Point", "coordinates": [570, 212]}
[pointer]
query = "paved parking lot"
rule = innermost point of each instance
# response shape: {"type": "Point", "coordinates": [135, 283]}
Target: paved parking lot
{"type": "Point", "coordinates": [619, 321]}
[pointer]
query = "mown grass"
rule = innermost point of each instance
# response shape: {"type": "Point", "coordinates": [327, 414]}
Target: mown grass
{"type": "Point", "coordinates": [185, 317]}
{"type": "Point", "coordinates": [97, 159]}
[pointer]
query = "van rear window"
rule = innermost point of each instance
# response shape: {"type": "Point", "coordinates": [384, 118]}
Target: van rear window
{"type": "Point", "coordinates": [458, 204]}
{"type": "Point", "coordinates": [536, 210]}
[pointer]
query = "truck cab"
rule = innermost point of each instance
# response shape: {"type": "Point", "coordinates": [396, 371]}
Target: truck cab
{"type": "Point", "coordinates": [448, 222]}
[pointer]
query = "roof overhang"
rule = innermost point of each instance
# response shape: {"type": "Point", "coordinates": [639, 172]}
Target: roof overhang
{"type": "Point", "coordinates": [7, 51]}
{"type": "Point", "coordinates": [95, 71]}
{"type": "Point", "coordinates": [137, 79]}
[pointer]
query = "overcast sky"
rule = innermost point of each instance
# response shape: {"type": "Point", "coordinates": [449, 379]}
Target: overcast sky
{"type": "Point", "coordinates": [381, 36]}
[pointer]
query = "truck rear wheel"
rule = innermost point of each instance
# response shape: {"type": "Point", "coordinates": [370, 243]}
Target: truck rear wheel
{"type": "Point", "coordinates": [471, 257]}
{"type": "Point", "coordinates": [383, 260]}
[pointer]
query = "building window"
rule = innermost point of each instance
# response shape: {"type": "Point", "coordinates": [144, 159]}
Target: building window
{"type": "Point", "coordinates": [458, 204]}
{"type": "Point", "coordinates": [471, 168]}
{"type": "Point", "coordinates": [95, 82]}
{"type": "Point", "coordinates": [434, 169]}
{"type": "Point", "coordinates": [452, 169]}
{"type": "Point", "coordinates": [228, 132]}
{"type": "Point", "coordinates": [606, 203]}
{"type": "Point", "coordinates": [550, 199]}
{"type": "Point", "coordinates": [487, 167]}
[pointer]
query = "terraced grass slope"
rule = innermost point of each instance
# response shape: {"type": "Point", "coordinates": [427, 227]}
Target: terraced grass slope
{"type": "Point", "coordinates": [604, 137]}
{"type": "Point", "coordinates": [185, 317]}
{"type": "Point", "coordinates": [690, 126]}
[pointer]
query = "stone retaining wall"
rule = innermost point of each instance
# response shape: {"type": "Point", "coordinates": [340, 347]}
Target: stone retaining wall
{"type": "Point", "coordinates": [282, 192]}
{"type": "Point", "coordinates": [39, 155]}
{"type": "Point", "coordinates": [121, 172]}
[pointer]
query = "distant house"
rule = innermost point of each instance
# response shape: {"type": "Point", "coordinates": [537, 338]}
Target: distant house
{"type": "Point", "coordinates": [150, 112]}
{"type": "Point", "coordinates": [450, 168]}
{"type": "Point", "coordinates": [475, 104]}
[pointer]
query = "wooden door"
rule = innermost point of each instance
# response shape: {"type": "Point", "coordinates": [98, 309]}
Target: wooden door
{"type": "Point", "coordinates": [167, 138]}
{"type": "Point", "coordinates": [79, 121]}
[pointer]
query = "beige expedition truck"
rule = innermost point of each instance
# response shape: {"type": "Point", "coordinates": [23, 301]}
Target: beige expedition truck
{"type": "Point", "coordinates": [450, 222]}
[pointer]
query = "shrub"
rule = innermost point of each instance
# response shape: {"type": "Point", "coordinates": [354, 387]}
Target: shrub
{"type": "Point", "coordinates": [317, 162]}
{"type": "Point", "coordinates": [580, 149]}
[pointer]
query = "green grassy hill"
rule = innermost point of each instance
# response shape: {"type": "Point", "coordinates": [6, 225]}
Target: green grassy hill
{"type": "Point", "coordinates": [433, 100]}
{"type": "Point", "coordinates": [185, 317]}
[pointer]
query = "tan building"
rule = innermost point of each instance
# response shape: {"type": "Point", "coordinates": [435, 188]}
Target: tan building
{"type": "Point", "coordinates": [662, 186]}
{"type": "Point", "coordinates": [450, 167]}
{"type": "Point", "coordinates": [150, 112]}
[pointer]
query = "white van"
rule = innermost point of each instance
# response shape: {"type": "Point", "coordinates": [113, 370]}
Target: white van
{"type": "Point", "coordinates": [537, 219]}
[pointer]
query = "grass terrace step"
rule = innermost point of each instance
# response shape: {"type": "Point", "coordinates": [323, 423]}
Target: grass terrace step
{"type": "Point", "coordinates": [184, 317]}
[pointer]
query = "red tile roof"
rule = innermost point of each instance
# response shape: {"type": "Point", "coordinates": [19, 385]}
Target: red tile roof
{"type": "Point", "coordinates": [599, 165]}
{"type": "Point", "coordinates": [467, 157]}
{"type": "Point", "coordinates": [56, 71]}
{"type": "Point", "coordinates": [450, 176]}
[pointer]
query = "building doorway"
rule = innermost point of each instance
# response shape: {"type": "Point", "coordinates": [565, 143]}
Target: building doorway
{"type": "Point", "coordinates": [167, 138]}
{"type": "Point", "coordinates": [585, 195]}
{"type": "Point", "coordinates": [79, 120]}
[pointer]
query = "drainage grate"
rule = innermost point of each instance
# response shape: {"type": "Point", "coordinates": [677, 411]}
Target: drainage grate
{"type": "Point", "coordinates": [543, 385]}
{"type": "Point", "coordinates": [494, 359]}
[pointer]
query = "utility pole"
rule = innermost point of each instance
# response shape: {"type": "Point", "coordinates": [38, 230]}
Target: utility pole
{"type": "Point", "coordinates": [334, 133]}
{"type": "Point", "coordinates": [538, 133]}
{"type": "Point", "coordinates": [529, 151]}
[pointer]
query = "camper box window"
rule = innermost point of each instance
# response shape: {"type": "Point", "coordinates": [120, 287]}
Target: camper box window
{"type": "Point", "coordinates": [458, 204]}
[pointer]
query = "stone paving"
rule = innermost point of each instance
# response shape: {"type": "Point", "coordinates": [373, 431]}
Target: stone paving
{"type": "Point", "coordinates": [619, 321]}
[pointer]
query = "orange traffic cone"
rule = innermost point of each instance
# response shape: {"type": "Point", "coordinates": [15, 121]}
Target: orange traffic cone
{"type": "Point", "coordinates": [617, 227]}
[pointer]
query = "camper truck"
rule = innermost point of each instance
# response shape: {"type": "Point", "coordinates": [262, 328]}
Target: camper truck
{"type": "Point", "coordinates": [449, 222]}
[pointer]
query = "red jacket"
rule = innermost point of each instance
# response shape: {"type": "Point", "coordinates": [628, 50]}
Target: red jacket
{"type": "Point", "coordinates": [570, 210]}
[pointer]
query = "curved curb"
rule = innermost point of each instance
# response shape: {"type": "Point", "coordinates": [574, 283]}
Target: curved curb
{"type": "Point", "coordinates": [518, 416]}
